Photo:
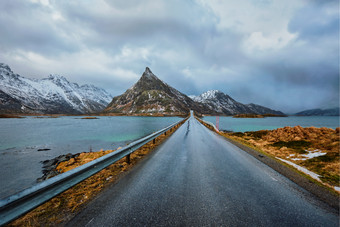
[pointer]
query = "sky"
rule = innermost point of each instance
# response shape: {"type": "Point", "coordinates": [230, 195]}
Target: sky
{"type": "Point", "coordinates": [280, 54]}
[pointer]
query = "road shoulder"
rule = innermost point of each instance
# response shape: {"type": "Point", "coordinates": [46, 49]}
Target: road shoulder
{"type": "Point", "coordinates": [319, 191]}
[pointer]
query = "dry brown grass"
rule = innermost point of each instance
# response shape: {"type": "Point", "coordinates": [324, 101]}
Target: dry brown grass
{"type": "Point", "coordinates": [61, 208]}
{"type": "Point", "coordinates": [10, 116]}
{"type": "Point", "coordinates": [89, 118]}
{"type": "Point", "coordinates": [294, 142]}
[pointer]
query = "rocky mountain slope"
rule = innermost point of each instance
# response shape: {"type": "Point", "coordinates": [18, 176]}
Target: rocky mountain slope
{"type": "Point", "coordinates": [319, 112]}
{"type": "Point", "coordinates": [224, 104]}
{"type": "Point", "coordinates": [51, 95]}
{"type": "Point", "coordinates": [150, 95]}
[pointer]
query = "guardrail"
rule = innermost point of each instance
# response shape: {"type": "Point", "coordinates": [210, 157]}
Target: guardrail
{"type": "Point", "coordinates": [18, 204]}
{"type": "Point", "coordinates": [211, 124]}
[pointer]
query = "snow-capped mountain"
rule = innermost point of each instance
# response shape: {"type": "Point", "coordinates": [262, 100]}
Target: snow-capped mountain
{"type": "Point", "coordinates": [54, 94]}
{"type": "Point", "coordinates": [224, 104]}
{"type": "Point", "coordinates": [151, 95]}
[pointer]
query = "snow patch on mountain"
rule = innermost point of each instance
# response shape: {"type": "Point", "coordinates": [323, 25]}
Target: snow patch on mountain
{"type": "Point", "coordinates": [151, 95]}
{"type": "Point", "coordinates": [224, 104]}
{"type": "Point", "coordinates": [54, 94]}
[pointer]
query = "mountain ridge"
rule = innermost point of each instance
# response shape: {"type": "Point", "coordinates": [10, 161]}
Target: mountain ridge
{"type": "Point", "coordinates": [150, 95]}
{"type": "Point", "coordinates": [224, 104]}
{"type": "Point", "coordinates": [51, 95]}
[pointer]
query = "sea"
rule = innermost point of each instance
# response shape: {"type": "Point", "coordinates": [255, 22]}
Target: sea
{"type": "Point", "coordinates": [270, 123]}
{"type": "Point", "coordinates": [20, 140]}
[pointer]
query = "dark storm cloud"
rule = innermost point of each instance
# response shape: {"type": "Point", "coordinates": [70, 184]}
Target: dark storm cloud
{"type": "Point", "coordinates": [313, 61]}
{"type": "Point", "coordinates": [309, 24]}
{"type": "Point", "coordinates": [26, 28]}
{"type": "Point", "coordinates": [283, 55]}
{"type": "Point", "coordinates": [126, 23]}
{"type": "Point", "coordinates": [305, 73]}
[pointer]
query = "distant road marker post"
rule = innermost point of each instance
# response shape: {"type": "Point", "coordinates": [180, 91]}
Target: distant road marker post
{"type": "Point", "coordinates": [217, 122]}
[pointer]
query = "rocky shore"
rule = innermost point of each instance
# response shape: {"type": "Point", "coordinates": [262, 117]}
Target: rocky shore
{"type": "Point", "coordinates": [49, 168]}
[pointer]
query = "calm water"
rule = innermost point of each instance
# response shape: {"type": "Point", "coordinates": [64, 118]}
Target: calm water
{"type": "Point", "coordinates": [269, 123]}
{"type": "Point", "coordinates": [21, 138]}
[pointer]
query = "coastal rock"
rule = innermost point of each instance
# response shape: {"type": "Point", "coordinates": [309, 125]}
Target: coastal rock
{"type": "Point", "coordinates": [44, 149]}
{"type": "Point", "coordinates": [49, 168]}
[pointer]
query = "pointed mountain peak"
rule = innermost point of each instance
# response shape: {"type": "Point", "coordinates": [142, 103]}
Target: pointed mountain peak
{"type": "Point", "coordinates": [148, 74]}
{"type": "Point", "coordinates": [5, 67]}
{"type": "Point", "coordinates": [210, 94]}
{"type": "Point", "coordinates": [147, 70]}
{"type": "Point", "coordinates": [56, 77]}
{"type": "Point", "coordinates": [149, 81]}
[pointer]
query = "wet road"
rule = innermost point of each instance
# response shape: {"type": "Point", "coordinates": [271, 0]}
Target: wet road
{"type": "Point", "coordinates": [196, 178]}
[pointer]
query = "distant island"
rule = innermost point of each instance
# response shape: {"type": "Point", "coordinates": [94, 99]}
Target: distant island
{"type": "Point", "coordinates": [319, 112]}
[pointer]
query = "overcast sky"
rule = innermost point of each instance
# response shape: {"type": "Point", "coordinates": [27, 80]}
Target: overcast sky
{"type": "Point", "coordinates": [280, 54]}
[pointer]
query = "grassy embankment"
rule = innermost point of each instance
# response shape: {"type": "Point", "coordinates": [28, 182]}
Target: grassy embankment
{"type": "Point", "coordinates": [62, 208]}
{"type": "Point", "coordinates": [316, 149]}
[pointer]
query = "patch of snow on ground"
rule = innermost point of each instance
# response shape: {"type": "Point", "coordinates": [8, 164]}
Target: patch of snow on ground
{"type": "Point", "coordinates": [311, 154]}
{"type": "Point", "coordinates": [302, 169]}
{"type": "Point", "coordinates": [337, 188]}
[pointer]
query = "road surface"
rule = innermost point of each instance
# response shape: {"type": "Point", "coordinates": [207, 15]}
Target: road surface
{"type": "Point", "coordinates": [196, 178]}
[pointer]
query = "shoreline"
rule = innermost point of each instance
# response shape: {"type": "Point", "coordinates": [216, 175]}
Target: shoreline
{"type": "Point", "coordinates": [22, 115]}
{"type": "Point", "coordinates": [87, 115]}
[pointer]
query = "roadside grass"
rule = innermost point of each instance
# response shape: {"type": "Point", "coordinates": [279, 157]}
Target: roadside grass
{"type": "Point", "coordinates": [327, 166]}
{"type": "Point", "coordinates": [299, 146]}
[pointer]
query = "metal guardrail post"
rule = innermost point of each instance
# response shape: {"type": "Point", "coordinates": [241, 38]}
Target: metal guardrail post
{"type": "Point", "coordinates": [18, 204]}
{"type": "Point", "coordinates": [128, 160]}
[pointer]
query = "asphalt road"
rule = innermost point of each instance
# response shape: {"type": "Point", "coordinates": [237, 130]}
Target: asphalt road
{"type": "Point", "coordinates": [196, 178]}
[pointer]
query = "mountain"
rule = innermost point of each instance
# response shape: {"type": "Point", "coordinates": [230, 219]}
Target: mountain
{"type": "Point", "coordinates": [150, 95]}
{"type": "Point", "coordinates": [320, 112]}
{"type": "Point", "coordinates": [52, 95]}
{"type": "Point", "coordinates": [224, 104]}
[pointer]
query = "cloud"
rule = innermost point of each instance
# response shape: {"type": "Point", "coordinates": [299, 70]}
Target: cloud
{"type": "Point", "coordinates": [281, 54]}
